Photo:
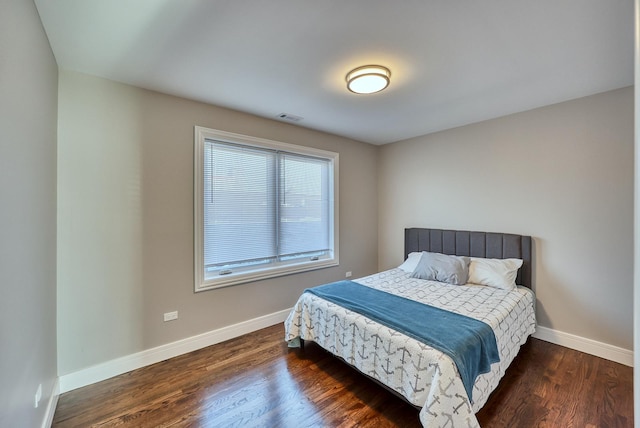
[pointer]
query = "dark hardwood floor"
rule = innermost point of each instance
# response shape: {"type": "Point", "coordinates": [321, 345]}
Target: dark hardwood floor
{"type": "Point", "coordinates": [256, 381]}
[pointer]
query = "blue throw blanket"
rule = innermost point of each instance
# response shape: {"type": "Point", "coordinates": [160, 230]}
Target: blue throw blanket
{"type": "Point", "coordinates": [470, 343]}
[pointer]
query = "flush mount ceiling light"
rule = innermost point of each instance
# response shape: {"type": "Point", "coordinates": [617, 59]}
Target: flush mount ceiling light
{"type": "Point", "coordinates": [368, 79]}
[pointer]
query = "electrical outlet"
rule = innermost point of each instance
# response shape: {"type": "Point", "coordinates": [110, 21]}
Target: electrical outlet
{"type": "Point", "coordinates": [347, 275]}
{"type": "Point", "coordinates": [38, 396]}
{"type": "Point", "coordinates": [170, 316]}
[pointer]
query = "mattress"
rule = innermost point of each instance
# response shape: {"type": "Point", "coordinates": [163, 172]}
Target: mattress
{"type": "Point", "coordinates": [424, 376]}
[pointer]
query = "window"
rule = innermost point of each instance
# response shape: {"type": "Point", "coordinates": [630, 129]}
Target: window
{"type": "Point", "coordinates": [262, 209]}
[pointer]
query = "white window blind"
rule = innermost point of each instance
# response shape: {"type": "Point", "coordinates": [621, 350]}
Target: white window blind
{"type": "Point", "coordinates": [304, 206]}
{"type": "Point", "coordinates": [239, 205]}
{"type": "Point", "coordinates": [267, 209]}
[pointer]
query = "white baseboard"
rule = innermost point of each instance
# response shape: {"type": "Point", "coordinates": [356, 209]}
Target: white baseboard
{"type": "Point", "coordinates": [127, 363]}
{"type": "Point", "coordinates": [51, 405]}
{"type": "Point", "coordinates": [599, 349]}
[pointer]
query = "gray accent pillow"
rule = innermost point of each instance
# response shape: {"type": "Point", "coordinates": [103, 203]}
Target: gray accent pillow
{"type": "Point", "coordinates": [443, 268]}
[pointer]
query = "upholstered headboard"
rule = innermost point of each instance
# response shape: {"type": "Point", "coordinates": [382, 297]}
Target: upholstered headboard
{"type": "Point", "coordinates": [473, 244]}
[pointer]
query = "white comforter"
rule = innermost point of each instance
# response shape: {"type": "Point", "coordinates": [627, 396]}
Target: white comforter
{"type": "Point", "coordinates": [423, 375]}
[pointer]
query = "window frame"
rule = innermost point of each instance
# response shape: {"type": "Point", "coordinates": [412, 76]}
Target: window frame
{"type": "Point", "coordinates": [201, 283]}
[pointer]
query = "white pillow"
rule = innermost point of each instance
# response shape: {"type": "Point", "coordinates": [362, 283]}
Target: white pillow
{"type": "Point", "coordinates": [497, 273]}
{"type": "Point", "coordinates": [410, 264]}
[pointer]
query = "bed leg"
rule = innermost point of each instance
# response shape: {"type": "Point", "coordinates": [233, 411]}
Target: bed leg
{"type": "Point", "coordinates": [302, 344]}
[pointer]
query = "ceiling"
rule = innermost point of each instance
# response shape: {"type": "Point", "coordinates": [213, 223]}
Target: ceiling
{"type": "Point", "coordinates": [452, 62]}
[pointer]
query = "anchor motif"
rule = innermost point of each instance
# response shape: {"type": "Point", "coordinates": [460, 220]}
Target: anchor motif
{"type": "Point", "coordinates": [405, 351]}
{"type": "Point", "coordinates": [336, 319]}
{"type": "Point", "coordinates": [386, 369]}
{"type": "Point", "coordinates": [353, 330]}
{"type": "Point", "coordinates": [444, 391]}
{"type": "Point", "coordinates": [342, 340]}
{"type": "Point", "coordinates": [462, 402]}
{"type": "Point", "coordinates": [394, 333]}
{"type": "Point", "coordinates": [362, 353]}
{"type": "Point", "coordinates": [419, 366]}
{"type": "Point", "coordinates": [436, 400]}
{"type": "Point", "coordinates": [388, 349]}
{"type": "Point", "coordinates": [415, 385]}
{"type": "Point", "coordinates": [363, 336]}
{"type": "Point", "coordinates": [367, 321]}
{"type": "Point", "coordinates": [437, 371]}
{"type": "Point", "coordinates": [326, 331]}
{"type": "Point", "coordinates": [403, 372]}
{"type": "Point", "coordinates": [377, 339]}
{"type": "Point", "coordinates": [448, 421]}
{"type": "Point", "coordinates": [345, 325]}
{"type": "Point", "coordinates": [308, 325]}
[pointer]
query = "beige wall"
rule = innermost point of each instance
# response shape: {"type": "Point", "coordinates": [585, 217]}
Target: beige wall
{"type": "Point", "coordinates": [28, 116]}
{"type": "Point", "coordinates": [561, 173]}
{"type": "Point", "coordinates": [125, 220]}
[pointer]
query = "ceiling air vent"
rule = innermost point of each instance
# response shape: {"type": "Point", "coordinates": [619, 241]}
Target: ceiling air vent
{"type": "Point", "coordinates": [290, 117]}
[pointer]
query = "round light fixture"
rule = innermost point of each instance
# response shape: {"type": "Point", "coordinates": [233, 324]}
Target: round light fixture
{"type": "Point", "coordinates": [368, 79]}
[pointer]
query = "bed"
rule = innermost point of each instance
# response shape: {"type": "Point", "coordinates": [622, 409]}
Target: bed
{"type": "Point", "coordinates": [427, 377]}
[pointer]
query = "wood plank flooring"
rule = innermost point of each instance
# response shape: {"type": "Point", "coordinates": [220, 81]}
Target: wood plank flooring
{"type": "Point", "coordinates": [256, 381]}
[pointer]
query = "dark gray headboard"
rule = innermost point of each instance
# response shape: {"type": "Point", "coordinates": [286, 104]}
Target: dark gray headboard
{"type": "Point", "coordinates": [473, 244]}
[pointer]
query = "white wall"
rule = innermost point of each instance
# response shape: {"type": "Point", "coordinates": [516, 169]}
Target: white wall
{"type": "Point", "coordinates": [125, 220]}
{"type": "Point", "coordinates": [28, 109]}
{"type": "Point", "coordinates": [562, 174]}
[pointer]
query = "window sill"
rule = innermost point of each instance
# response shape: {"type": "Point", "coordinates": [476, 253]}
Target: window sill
{"type": "Point", "coordinates": [252, 276]}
